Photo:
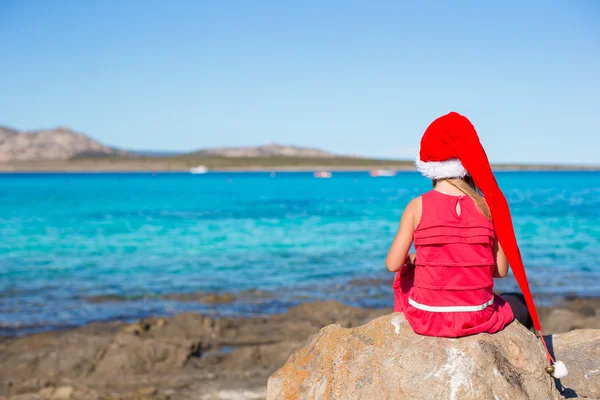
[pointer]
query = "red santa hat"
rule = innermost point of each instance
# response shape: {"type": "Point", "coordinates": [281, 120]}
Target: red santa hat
{"type": "Point", "coordinates": [450, 148]}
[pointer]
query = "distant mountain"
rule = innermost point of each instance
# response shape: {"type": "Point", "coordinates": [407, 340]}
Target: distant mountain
{"type": "Point", "coordinates": [64, 144]}
{"type": "Point", "coordinates": [50, 144]}
{"type": "Point", "coordinates": [270, 150]}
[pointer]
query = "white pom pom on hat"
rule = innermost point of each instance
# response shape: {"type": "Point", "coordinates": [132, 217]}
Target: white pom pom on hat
{"type": "Point", "coordinates": [560, 370]}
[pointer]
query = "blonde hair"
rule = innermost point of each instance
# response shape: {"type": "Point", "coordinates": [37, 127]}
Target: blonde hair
{"type": "Point", "coordinates": [467, 186]}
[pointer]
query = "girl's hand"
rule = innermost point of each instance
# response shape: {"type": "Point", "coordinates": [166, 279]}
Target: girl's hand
{"type": "Point", "coordinates": [411, 259]}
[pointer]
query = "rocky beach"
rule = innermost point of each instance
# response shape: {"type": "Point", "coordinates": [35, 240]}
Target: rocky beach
{"type": "Point", "coordinates": [193, 356]}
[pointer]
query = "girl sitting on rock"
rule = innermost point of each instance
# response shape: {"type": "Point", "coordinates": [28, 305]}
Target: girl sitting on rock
{"type": "Point", "coordinates": [462, 240]}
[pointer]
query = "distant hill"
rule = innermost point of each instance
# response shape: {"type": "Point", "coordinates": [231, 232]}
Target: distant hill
{"type": "Point", "coordinates": [270, 150]}
{"type": "Point", "coordinates": [64, 144]}
{"type": "Point", "coordinates": [63, 149]}
{"type": "Point", "coordinates": [50, 144]}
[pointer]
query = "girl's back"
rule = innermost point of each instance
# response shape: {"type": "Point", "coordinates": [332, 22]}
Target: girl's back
{"type": "Point", "coordinates": [450, 291]}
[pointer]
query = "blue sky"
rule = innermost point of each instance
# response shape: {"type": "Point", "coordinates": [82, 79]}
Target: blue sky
{"type": "Point", "coordinates": [351, 77]}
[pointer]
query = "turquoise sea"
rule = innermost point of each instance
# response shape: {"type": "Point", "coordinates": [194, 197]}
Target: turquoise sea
{"type": "Point", "coordinates": [76, 248]}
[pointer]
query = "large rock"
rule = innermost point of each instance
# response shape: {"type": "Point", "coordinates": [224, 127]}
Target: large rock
{"type": "Point", "coordinates": [385, 359]}
{"type": "Point", "coordinates": [580, 351]}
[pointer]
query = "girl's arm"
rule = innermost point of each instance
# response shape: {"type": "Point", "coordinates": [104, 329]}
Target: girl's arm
{"type": "Point", "coordinates": [501, 261]}
{"type": "Point", "coordinates": [398, 251]}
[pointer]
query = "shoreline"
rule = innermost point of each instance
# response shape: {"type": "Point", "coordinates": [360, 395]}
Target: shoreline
{"type": "Point", "coordinates": [190, 355]}
{"type": "Point", "coordinates": [246, 165]}
{"type": "Point", "coordinates": [266, 170]}
{"type": "Point", "coordinates": [589, 306]}
{"type": "Point", "coordinates": [369, 292]}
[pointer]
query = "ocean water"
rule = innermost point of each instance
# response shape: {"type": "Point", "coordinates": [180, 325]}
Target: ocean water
{"type": "Point", "coordinates": [76, 248]}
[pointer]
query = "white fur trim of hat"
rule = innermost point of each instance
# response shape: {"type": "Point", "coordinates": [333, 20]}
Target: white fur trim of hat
{"type": "Point", "coordinates": [451, 168]}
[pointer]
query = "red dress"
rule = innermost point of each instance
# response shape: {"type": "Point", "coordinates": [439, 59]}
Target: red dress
{"type": "Point", "coordinates": [450, 291]}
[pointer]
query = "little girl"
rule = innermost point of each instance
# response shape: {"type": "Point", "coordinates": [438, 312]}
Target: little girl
{"type": "Point", "coordinates": [462, 242]}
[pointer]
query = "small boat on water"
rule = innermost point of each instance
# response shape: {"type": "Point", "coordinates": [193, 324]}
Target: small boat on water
{"type": "Point", "coordinates": [200, 169]}
{"type": "Point", "coordinates": [382, 172]}
{"type": "Point", "coordinates": [322, 174]}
